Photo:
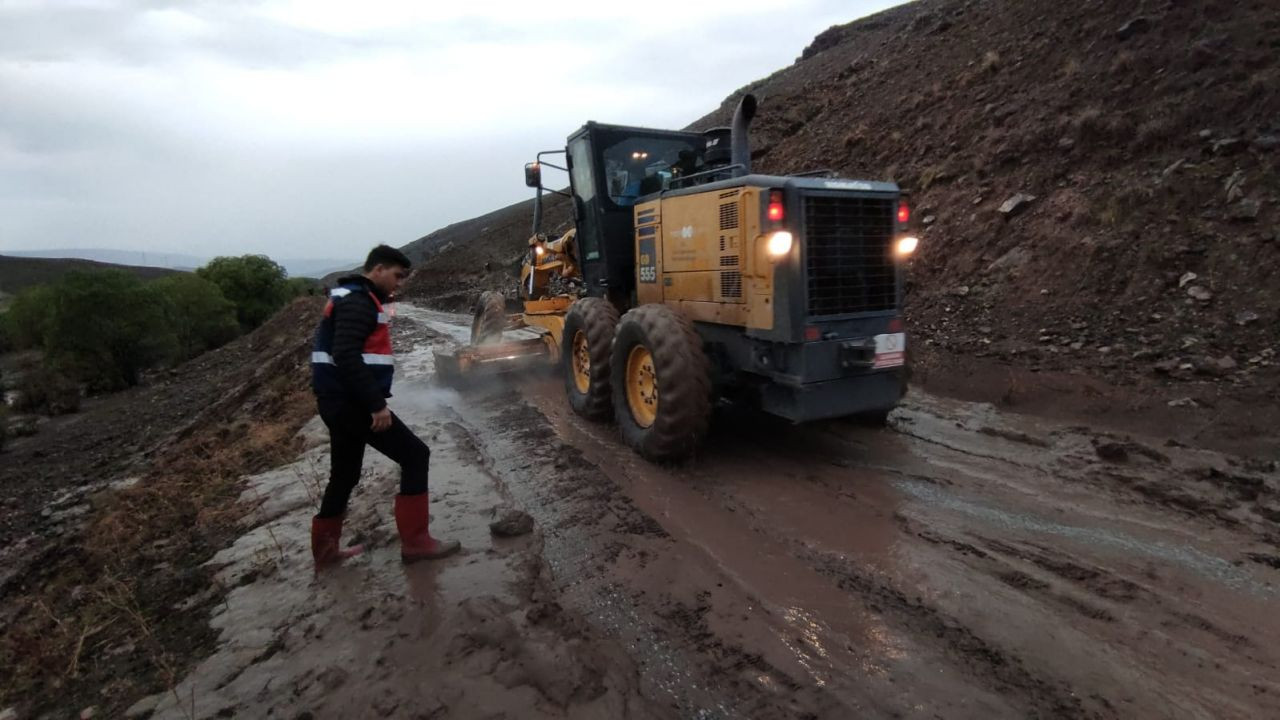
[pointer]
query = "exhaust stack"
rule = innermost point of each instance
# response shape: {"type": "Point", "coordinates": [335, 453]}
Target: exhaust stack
{"type": "Point", "coordinates": [741, 142]}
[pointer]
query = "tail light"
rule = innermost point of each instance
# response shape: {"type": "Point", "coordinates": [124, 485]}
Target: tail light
{"type": "Point", "coordinates": [776, 211]}
{"type": "Point", "coordinates": [904, 212]}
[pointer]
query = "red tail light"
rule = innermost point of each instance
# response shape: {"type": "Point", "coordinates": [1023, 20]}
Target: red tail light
{"type": "Point", "coordinates": [895, 325]}
{"type": "Point", "coordinates": [776, 211]}
{"type": "Point", "coordinates": [904, 212]}
{"type": "Point", "coordinates": [812, 333]}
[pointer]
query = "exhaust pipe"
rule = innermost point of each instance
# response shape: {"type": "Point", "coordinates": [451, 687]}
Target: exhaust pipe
{"type": "Point", "coordinates": [741, 143]}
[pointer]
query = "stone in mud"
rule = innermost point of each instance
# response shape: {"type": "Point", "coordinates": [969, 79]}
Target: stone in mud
{"type": "Point", "coordinates": [1245, 211]}
{"type": "Point", "coordinates": [511, 523]}
{"type": "Point", "coordinates": [1111, 451]}
{"type": "Point", "coordinates": [1200, 293]}
{"type": "Point", "coordinates": [1136, 26]}
{"type": "Point", "coordinates": [1016, 204]}
{"type": "Point", "coordinates": [1245, 317]}
{"type": "Point", "coordinates": [332, 678]}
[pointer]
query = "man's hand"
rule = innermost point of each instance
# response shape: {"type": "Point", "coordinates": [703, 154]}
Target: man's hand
{"type": "Point", "coordinates": [382, 419]}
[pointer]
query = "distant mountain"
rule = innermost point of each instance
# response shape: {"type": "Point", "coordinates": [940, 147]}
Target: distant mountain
{"type": "Point", "coordinates": [20, 273]}
{"type": "Point", "coordinates": [296, 267]}
{"type": "Point", "coordinates": [315, 268]}
{"type": "Point", "coordinates": [135, 258]}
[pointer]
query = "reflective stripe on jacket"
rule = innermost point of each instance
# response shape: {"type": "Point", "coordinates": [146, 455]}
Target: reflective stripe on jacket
{"type": "Point", "coordinates": [376, 356]}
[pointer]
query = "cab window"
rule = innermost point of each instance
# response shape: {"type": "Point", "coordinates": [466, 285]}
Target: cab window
{"type": "Point", "coordinates": [638, 166]}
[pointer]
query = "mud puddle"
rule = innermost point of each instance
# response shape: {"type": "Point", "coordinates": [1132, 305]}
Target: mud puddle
{"type": "Point", "coordinates": [474, 636]}
{"type": "Point", "coordinates": [963, 563]}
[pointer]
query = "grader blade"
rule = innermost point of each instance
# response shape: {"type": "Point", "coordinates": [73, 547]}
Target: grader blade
{"type": "Point", "coordinates": [494, 359]}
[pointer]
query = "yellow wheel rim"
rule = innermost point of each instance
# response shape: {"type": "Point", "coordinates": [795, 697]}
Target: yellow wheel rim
{"type": "Point", "coordinates": [642, 386]}
{"type": "Point", "coordinates": [581, 362]}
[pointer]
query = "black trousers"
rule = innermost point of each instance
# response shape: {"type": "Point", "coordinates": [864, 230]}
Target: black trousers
{"type": "Point", "coordinates": [349, 431]}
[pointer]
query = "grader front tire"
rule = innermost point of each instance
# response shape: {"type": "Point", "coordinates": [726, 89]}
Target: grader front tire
{"type": "Point", "coordinates": [584, 355]}
{"type": "Point", "coordinates": [489, 318]}
{"type": "Point", "coordinates": [661, 383]}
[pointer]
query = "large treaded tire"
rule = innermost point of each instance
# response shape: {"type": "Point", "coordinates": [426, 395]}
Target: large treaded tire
{"type": "Point", "coordinates": [683, 376]}
{"type": "Point", "coordinates": [596, 318]}
{"type": "Point", "coordinates": [488, 318]}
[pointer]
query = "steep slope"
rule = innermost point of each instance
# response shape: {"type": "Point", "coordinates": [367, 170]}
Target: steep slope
{"type": "Point", "coordinates": [463, 259]}
{"type": "Point", "coordinates": [1147, 136]}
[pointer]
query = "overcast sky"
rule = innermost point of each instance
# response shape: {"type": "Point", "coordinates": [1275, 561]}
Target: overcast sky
{"type": "Point", "coordinates": [312, 128]}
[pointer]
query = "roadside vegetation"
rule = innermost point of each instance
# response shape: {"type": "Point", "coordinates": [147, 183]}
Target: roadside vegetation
{"type": "Point", "coordinates": [96, 331]}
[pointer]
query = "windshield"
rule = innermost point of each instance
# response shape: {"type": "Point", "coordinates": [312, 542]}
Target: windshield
{"type": "Point", "coordinates": [638, 166]}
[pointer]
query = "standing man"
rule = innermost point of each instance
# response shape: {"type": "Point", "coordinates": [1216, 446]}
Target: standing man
{"type": "Point", "coordinates": [351, 369]}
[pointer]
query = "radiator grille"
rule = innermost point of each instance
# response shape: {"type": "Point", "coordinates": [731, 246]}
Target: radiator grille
{"type": "Point", "coordinates": [731, 284]}
{"type": "Point", "coordinates": [729, 261]}
{"type": "Point", "coordinates": [729, 216]}
{"type": "Point", "coordinates": [850, 259]}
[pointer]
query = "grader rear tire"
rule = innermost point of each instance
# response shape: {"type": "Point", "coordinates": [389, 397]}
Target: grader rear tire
{"type": "Point", "coordinates": [661, 383]}
{"type": "Point", "coordinates": [489, 318]}
{"type": "Point", "coordinates": [584, 355]}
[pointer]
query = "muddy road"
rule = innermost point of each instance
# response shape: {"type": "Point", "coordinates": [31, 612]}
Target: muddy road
{"type": "Point", "coordinates": [962, 563]}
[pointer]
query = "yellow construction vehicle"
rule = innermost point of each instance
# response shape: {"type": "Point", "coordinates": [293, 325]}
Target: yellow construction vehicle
{"type": "Point", "coordinates": [687, 280]}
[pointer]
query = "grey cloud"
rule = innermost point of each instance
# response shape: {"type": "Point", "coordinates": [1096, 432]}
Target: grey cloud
{"type": "Point", "coordinates": [146, 172]}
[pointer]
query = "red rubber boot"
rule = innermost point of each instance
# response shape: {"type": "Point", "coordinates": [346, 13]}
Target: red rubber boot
{"type": "Point", "coordinates": [326, 537]}
{"type": "Point", "coordinates": [412, 517]}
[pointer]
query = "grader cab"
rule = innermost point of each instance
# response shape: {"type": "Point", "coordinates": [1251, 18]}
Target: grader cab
{"type": "Point", "coordinates": [687, 279]}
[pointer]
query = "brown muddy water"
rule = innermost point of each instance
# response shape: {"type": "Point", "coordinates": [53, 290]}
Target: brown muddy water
{"type": "Point", "coordinates": [963, 563]}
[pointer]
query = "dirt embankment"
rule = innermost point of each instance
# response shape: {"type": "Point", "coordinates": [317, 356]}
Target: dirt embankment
{"type": "Point", "coordinates": [110, 513]}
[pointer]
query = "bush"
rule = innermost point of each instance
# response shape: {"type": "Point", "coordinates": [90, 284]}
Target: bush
{"type": "Point", "coordinates": [7, 342]}
{"type": "Point", "coordinates": [301, 286]}
{"type": "Point", "coordinates": [107, 326]}
{"type": "Point", "coordinates": [48, 392]}
{"type": "Point", "coordinates": [199, 315]}
{"type": "Point", "coordinates": [27, 319]}
{"type": "Point", "coordinates": [254, 283]}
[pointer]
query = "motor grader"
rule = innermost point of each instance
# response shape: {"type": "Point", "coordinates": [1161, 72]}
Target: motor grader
{"type": "Point", "coordinates": [687, 279]}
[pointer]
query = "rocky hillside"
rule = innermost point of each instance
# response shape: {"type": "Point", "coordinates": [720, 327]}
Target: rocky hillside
{"type": "Point", "coordinates": [484, 253]}
{"type": "Point", "coordinates": [1096, 183]}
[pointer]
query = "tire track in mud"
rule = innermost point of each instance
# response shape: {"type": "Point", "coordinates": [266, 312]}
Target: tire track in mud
{"type": "Point", "coordinates": [598, 544]}
{"type": "Point", "coordinates": [613, 563]}
{"type": "Point", "coordinates": [1111, 594]}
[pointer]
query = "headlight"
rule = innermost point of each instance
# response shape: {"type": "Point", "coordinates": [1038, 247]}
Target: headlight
{"type": "Point", "coordinates": [780, 243]}
{"type": "Point", "coordinates": [906, 246]}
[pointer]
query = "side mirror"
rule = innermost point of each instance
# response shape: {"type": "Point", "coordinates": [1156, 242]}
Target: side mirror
{"type": "Point", "coordinates": [533, 175]}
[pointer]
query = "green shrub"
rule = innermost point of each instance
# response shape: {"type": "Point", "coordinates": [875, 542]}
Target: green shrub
{"type": "Point", "coordinates": [254, 283]}
{"type": "Point", "coordinates": [107, 326]}
{"type": "Point", "coordinates": [302, 286]}
{"type": "Point", "coordinates": [7, 341]}
{"type": "Point", "coordinates": [28, 317]}
{"type": "Point", "coordinates": [199, 315]}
